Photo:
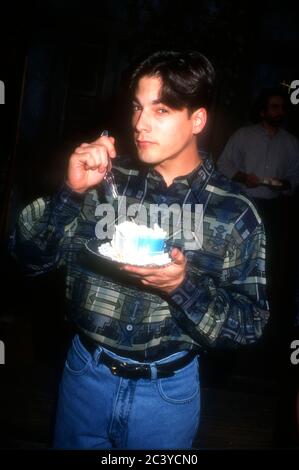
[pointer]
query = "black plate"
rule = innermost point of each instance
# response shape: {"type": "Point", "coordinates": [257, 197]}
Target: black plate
{"type": "Point", "coordinates": [92, 246]}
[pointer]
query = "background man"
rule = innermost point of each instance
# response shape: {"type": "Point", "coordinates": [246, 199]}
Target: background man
{"type": "Point", "coordinates": [263, 157]}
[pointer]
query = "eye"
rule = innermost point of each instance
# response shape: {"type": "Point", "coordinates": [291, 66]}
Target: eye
{"type": "Point", "coordinates": [136, 107]}
{"type": "Point", "coordinates": [162, 110]}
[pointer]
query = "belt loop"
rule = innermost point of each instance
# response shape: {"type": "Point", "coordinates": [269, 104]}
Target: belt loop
{"type": "Point", "coordinates": [154, 373]}
{"type": "Point", "coordinates": [97, 354]}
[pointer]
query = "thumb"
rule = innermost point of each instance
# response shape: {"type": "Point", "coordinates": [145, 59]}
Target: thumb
{"type": "Point", "coordinates": [177, 256]}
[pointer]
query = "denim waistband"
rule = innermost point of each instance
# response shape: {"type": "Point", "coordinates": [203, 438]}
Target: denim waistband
{"type": "Point", "coordinates": [169, 358]}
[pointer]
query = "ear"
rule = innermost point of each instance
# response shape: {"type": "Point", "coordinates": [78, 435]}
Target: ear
{"type": "Point", "coordinates": [199, 119]}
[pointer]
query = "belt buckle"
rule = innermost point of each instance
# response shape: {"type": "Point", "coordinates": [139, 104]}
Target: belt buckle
{"type": "Point", "coordinates": [129, 371]}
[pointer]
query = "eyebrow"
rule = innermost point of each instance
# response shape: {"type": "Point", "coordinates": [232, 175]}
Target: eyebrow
{"type": "Point", "coordinates": [157, 101]}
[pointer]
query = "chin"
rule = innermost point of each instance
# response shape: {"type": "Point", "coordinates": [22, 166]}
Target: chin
{"type": "Point", "coordinates": [147, 158]}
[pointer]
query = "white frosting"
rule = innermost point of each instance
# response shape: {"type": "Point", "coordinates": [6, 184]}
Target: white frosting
{"type": "Point", "coordinates": [137, 244]}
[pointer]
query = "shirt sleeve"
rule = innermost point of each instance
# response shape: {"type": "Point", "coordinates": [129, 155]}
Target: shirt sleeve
{"type": "Point", "coordinates": [233, 310]}
{"type": "Point", "coordinates": [229, 160]}
{"type": "Point", "coordinates": [40, 237]}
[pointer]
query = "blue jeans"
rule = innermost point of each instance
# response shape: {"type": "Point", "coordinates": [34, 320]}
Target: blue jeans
{"type": "Point", "coordinates": [98, 410]}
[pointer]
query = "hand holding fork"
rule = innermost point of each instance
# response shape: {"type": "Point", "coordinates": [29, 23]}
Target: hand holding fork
{"type": "Point", "coordinates": [90, 164]}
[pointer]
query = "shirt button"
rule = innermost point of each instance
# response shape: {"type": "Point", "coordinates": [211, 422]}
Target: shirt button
{"type": "Point", "coordinates": [129, 327]}
{"type": "Point", "coordinates": [163, 199]}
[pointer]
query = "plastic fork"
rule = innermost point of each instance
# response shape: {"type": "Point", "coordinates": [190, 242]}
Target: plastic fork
{"type": "Point", "coordinates": [109, 177]}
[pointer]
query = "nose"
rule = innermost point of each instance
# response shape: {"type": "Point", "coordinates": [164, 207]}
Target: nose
{"type": "Point", "coordinates": [142, 121]}
{"type": "Point", "coordinates": [283, 110]}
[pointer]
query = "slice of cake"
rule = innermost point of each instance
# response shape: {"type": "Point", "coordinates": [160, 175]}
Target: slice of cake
{"type": "Point", "coordinates": [137, 244]}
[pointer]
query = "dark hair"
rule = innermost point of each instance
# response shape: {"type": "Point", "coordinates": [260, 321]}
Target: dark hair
{"type": "Point", "coordinates": [187, 78]}
{"type": "Point", "coordinates": [262, 101]}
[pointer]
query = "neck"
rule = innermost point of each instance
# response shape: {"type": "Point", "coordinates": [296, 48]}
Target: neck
{"type": "Point", "coordinates": [179, 165]}
{"type": "Point", "coordinates": [271, 130]}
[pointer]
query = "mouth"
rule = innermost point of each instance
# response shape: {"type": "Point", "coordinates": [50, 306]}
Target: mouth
{"type": "Point", "coordinates": [144, 143]}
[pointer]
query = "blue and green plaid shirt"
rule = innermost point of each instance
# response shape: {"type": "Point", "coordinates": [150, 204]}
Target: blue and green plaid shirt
{"type": "Point", "coordinates": [222, 301]}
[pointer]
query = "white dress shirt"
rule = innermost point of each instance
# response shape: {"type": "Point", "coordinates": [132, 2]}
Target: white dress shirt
{"type": "Point", "coordinates": [251, 150]}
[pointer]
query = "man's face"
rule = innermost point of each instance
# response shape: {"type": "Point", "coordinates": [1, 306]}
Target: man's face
{"type": "Point", "coordinates": [160, 133]}
{"type": "Point", "coordinates": [275, 112]}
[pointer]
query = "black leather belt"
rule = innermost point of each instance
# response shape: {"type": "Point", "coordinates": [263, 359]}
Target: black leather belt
{"type": "Point", "coordinates": [137, 371]}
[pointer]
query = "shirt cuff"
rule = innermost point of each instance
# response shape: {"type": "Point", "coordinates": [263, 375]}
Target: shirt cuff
{"type": "Point", "coordinates": [185, 293]}
{"type": "Point", "coordinates": [66, 196]}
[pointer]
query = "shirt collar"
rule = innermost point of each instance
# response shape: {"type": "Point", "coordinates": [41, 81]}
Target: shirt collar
{"type": "Point", "coordinates": [263, 130]}
{"type": "Point", "coordinates": [197, 178]}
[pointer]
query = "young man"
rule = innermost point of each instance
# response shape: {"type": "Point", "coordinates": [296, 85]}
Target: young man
{"type": "Point", "coordinates": [131, 377]}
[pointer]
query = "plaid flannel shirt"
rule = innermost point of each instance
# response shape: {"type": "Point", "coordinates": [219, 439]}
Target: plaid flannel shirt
{"type": "Point", "coordinates": [222, 301]}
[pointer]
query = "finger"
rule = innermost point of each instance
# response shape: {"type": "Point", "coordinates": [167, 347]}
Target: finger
{"type": "Point", "coordinates": [153, 280]}
{"type": "Point", "coordinates": [99, 154]}
{"type": "Point", "coordinates": [147, 282]}
{"type": "Point", "coordinates": [109, 166]}
{"type": "Point", "coordinates": [87, 160]}
{"type": "Point", "coordinates": [177, 256]}
{"type": "Point", "coordinates": [143, 272]}
{"type": "Point", "coordinates": [108, 143]}
{"type": "Point", "coordinates": [81, 149]}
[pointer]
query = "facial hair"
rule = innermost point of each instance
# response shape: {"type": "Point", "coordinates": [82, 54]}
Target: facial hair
{"type": "Point", "coordinates": [274, 121]}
